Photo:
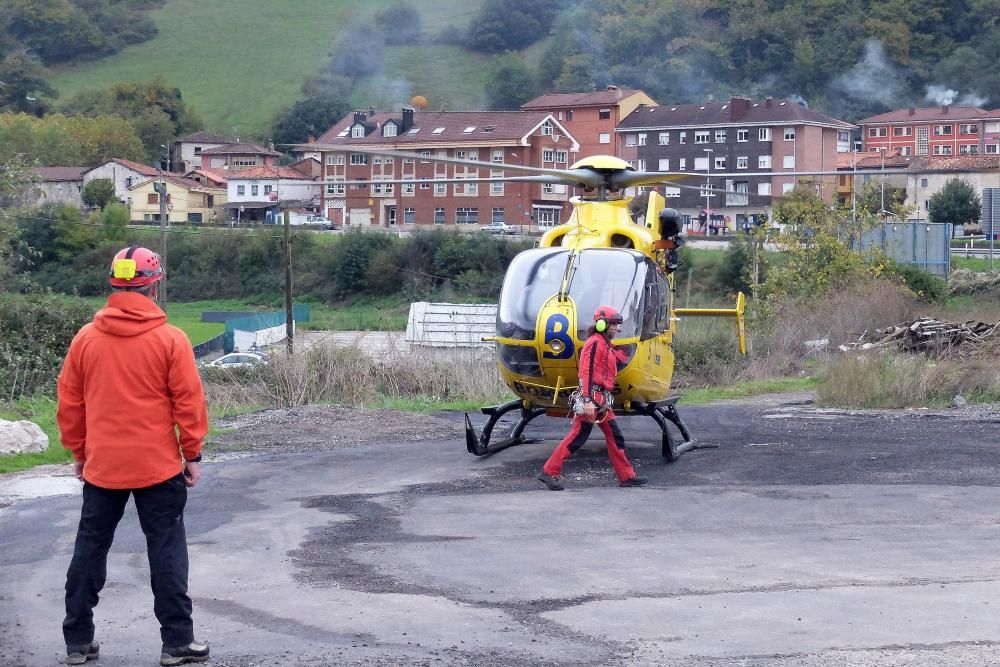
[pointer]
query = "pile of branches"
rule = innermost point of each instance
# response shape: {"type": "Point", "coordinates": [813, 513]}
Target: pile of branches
{"type": "Point", "coordinates": [925, 334]}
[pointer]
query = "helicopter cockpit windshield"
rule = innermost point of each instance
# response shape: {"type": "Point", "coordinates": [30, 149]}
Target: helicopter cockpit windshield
{"type": "Point", "coordinates": [598, 276]}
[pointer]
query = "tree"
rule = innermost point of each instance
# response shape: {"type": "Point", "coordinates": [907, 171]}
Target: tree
{"type": "Point", "coordinates": [509, 84]}
{"type": "Point", "coordinates": [114, 223]}
{"type": "Point", "coordinates": [957, 203]}
{"type": "Point", "coordinates": [400, 23]}
{"type": "Point", "coordinates": [22, 84]}
{"type": "Point", "coordinates": [56, 140]}
{"type": "Point", "coordinates": [16, 182]}
{"type": "Point", "coordinates": [310, 117]}
{"type": "Point", "coordinates": [98, 193]}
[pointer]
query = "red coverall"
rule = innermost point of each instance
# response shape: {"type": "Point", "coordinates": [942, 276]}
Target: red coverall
{"type": "Point", "coordinates": [598, 368]}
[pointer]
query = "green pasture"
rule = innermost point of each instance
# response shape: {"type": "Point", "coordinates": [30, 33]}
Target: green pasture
{"type": "Point", "coordinates": [238, 66]}
{"type": "Point", "coordinates": [976, 263]}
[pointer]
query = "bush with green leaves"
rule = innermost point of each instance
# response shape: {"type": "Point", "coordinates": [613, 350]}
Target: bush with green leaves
{"type": "Point", "coordinates": [925, 285]}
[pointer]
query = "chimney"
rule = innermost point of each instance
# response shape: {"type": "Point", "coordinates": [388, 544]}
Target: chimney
{"type": "Point", "coordinates": [371, 112]}
{"type": "Point", "coordinates": [311, 139]}
{"type": "Point", "coordinates": [944, 109]}
{"type": "Point", "coordinates": [768, 102]}
{"type": "Point", "coordinates": [407, 119]}
{"type": "Point", "coordinates": [270, 145]}
{"type": "Point", "coordinates": [360, 116]}
{"type": "Point", "coordinates": [738, 107]}
{"type": "Point", "coordinates": [912, 111]}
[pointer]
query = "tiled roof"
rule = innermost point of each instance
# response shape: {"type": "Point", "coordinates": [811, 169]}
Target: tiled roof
{"type": "Point", "coordinates": [218, 175]}
{"type": "Point", "coordinates": [440, 127]}
{"type": "Point", "coordinates": [53, 174]}
{"type": "Point", "coordinates": [593, 98]}
{"type": "Point", "coordinates": [714, 114]}
{"type": "Point", "coordinates": [930, 114]}
{"type": "Point", "coordinates": [268, 172]}
{"type": "Point", "coordinates": [956, 163]}
{"type": "Point", "coordinates": [240, 149]}
{"type": "Point", "coordinates": [143, 169]}
{"type": "Point", "coordinates": [205, 138]}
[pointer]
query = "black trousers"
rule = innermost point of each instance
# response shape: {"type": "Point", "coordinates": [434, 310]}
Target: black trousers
{"type": "Point", "coordinates": [161, 515]}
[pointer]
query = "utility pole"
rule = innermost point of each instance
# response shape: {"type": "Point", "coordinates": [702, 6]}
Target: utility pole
{"type": "Point", "coordinates": [161, 189]}
{"type": "Point", "coordinates": [289, 323]}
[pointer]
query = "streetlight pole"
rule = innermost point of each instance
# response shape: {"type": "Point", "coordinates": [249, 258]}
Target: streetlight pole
{"type": "Point", "coordinates": [882, 210]}
{"type": "Point", "coordinates": [708, 190]}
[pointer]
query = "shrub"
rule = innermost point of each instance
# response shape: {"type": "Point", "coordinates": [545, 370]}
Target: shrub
{"type": "Point", "coordinates": [925, 285]}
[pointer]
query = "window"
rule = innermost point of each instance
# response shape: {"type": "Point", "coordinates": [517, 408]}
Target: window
{"type": "Point", "coordinates": [701, 164]}
{"type": "Point", "coordinates": [630, 140]}
{"type": "Point", "coordinates": [245, 162]}
{"type": "Point", "coordinates": [742, 162]}
{"type": "Point", "coordinates": [682, 138]}
{"type": "Point", "coordinates": [742, 135]}
{"type": "Point", "coordinates": [968, 149]}
{"type": "Point", "coordinates": [547, 128]}
{"type": "Point", "coordinates": [194, 217]}
{"type": "Point", "coordinates": [268, 188]}
{"type": "Point", "coordinates": [546, 217]}
{"type": "Point", "coordinates": [254, 189]}
{"type": "Point", "coordinates": [942, 150]}
{"type": "Point", "coordinates": [569, 115]}
{"type": "Point", "coordinates": [720, 136]}
{"type": "Point", "coordinates": [440, 189]}
{"type": "Point", "coordinates": [409, 216]}
{"type": "Point", "coordinates": [548, 156]}
{"type": "Point", "coordinates": [335, 187]}
{"type": "Point", "coordinates": [992, 149]}
{"type": "Point", "coordinates": [764, 162]}
{"type": "Point", "coordinates": [604, 138]}
{"type": "Point", "coordinates": [409, 190]}
{"type": "Point", "coordinates": [383, 189]}
{"type": "Point", "coordinates": [197, 150]}
{"type": "Point", "coordinates": [701, 136]}
{"type": "Point", "coordinates": [439, 216]}
{"type": "Point", "coordinates": [562, 157]}
{"type": "Point", "coordinates": [498, 155]}
{"type": "Point", "coordinates": [663, 164]}
{"type": "Point", "coordinates": [669, 191]}
{"type": "Point", "coordinates": [497, 214]}
{"type": "Point", "coordinates": [788, 162]}
{"type": "Point", "coordinates": [664, 138]}
{"type": "Point", "coordinates": [424, 185]}
{"type": "Point", "coordinates": [128, 182]}
{"type": "Point", "coordinates": [408, 160]}
{"type": "Point", "coordinates": [906, 150]}
{"type": "Point", "coordinates": [154, 198]}
{"type": "Point", "coordinates": [941, 130]}
{"type": "Point", "coordinates": [466, 216]}
{"type": "Point", "coordinates": [764, 189]}
{"type": "Point", "coordinates": [240, 190]}
{"type": "Point", "coordinates": [437, 130]}
{"type": "Point", "coordinates": [460, 155]}
{"type": "Point", "coordinates": [496, 188]}
{"type": "Point", "coordinates": [902, 131]}
{"type": "Point", "coordinates": [604, 114]}
{"type": "Point", "coordinates": [642, 139]}
{"type": "Point", "coordinates": [923, 182]}
{"type": "Point", "coordinates": [425, 154]}
{"type": "Point", "coordinates": [787, 187]}
{"type": "Point", "coordinates": [642, 165]}
{"type": "Point", "coordinates": [359, 158]}
{"type": "Point", "coordinates": [764, 134]}
{"type": "Point", "coordinates": [389, 130]}
{"type": "Point", "coordinates": [789, 134]}
{"type": "Point", "coordinates": [876, 131]}
{"type": "Point", "coordinates": [720, 162]}
{"type": "Point", "coordinates": [968, 129]}
{"type": "Point", "coordinates": [357, 131]}
{"type": "Point", "coordinates": [683, 164]}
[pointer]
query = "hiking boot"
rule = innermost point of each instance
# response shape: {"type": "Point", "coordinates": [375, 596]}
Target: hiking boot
{"type": "Point", "coordinates": [80, 654]}
{"type": "Point", "coordinates": [634, 481]}
{"type": "Point", "coordinates": [196, 651]}
{"type": "Point", "coordinates": [552, 482]}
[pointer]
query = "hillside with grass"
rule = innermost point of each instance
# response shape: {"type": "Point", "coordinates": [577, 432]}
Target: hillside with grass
{"type": "Point", "coordinates": [240, 64]}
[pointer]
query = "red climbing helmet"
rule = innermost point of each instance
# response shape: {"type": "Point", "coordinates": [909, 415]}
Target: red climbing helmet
{"type": "Point", "coordinates": [604, 316]}
{"type": "Point", "coordinates": [135, 266]}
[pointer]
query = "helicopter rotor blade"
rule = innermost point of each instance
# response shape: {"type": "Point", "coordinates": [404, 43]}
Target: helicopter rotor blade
{"type": "Point", "coordinates": [583, 177]}
{"type": "Point", "coordinates": [477, 179]}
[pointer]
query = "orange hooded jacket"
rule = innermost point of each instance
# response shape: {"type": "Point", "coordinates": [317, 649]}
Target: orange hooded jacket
{"type": "Point", "coordinates": [128, 379]}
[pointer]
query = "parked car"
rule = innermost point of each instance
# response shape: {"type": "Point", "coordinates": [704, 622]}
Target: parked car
{"type": "Point", "coordinates": [499, 228]}
{"type": "Point", "coordinates": [237, 360]}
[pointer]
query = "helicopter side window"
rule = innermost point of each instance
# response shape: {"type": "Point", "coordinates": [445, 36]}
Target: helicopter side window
{"type": "Point", "coordinates": [663, 317]}
{"type": "Point", "coordinates": [609, 277]}
{"type": "Point", "coordinates": [532, 279]}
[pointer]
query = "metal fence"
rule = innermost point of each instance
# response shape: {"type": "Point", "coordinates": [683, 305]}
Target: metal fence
{"type": "Point", "coordinates": [926, 244]}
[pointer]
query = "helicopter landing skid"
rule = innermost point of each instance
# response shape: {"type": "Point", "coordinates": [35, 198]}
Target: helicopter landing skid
{"type": "Point", "coordinates": [663, 412]}
{"type": "Point", "coordinates": [480, 444]}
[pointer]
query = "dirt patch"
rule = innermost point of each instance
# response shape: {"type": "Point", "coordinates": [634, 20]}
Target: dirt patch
{"type": "Point", "coordinates": [321, 427]}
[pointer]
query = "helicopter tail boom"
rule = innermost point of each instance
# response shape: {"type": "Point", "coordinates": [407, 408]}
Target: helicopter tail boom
{"type": "Point", "coordinates": [737, 313]}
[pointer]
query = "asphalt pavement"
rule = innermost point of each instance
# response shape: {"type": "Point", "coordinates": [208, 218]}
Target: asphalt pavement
{"type": "Point", "coordinates": [791, 536]}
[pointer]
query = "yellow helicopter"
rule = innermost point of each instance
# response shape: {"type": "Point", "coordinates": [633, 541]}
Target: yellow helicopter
{"type": "Point", "coordinates": [600, 256]}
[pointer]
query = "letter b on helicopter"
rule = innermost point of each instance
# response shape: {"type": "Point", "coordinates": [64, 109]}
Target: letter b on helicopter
{"type": "Point", "coordinates": [558, 341]}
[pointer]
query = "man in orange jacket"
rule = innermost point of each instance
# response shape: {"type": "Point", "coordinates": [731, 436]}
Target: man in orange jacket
{"type": "Point", "coordinates": [132, 410]}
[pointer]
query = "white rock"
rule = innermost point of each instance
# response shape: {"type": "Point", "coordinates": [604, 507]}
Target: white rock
{"type": "Point", "coordinates": [22, 437]}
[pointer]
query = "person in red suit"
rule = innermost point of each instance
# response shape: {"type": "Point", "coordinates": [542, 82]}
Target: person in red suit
{"type": "Point", "coordinates": [598, 368]}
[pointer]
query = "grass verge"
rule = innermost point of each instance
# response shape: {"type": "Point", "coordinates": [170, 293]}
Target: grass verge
{"type": "Point", "coordinates": [744, 389]}
{"type": "Point", "coordinates": [42, 411]}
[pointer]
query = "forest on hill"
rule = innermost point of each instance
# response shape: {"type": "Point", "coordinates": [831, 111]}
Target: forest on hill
{"type": "Point", "coordinates": [848, 58]}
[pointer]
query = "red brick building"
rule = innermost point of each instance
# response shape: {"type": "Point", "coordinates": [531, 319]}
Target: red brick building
{"type": "Point", "coordinates": [592, 117]}
{"type": "Point", "coordinates": [534, 139]}
{"type": "Point", "coordinates": [934, 131]}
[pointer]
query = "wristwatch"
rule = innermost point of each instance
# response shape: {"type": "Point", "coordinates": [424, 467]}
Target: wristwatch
{"type": "Point", "coordinates": [196, 459]}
